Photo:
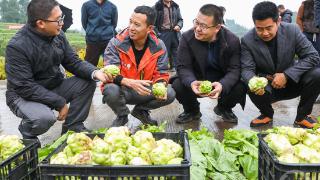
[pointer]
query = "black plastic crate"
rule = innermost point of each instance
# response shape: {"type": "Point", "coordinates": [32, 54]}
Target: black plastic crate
{"type": "Point", "coordinates": [23, 164]}
{"type": "Point", "coordinates": [270, 168]}
{"type": "Point", "coordinates": [126, 172]}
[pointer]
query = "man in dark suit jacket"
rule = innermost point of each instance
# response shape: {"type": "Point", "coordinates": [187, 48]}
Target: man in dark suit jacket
{"type": "Point", "coordinates": [211, 52]}
{"type": "Point", "coordinates": [269, 50]}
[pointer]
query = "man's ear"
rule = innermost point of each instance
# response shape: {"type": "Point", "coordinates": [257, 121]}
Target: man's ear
{"type": "Point", "coordinates": [278, 21]}
{"type": "Point", "coordinates": [40, 24]}
{"type": "Point", "coordinates": [150, 28]}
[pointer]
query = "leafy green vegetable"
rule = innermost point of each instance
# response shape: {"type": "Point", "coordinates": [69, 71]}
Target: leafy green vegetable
{"type": "Point", "coordinates": [256, 83]}
{"type": "Point", "coordinates": [159, 89]}
{"type": "Point", "coordinates": [111, 69]}
{"type": "Point", "coordinates": [205, 87]}
{"type": "Point", "coordinates": [153, 128]}
{"type": "Point", "coordinates": [45, 151]}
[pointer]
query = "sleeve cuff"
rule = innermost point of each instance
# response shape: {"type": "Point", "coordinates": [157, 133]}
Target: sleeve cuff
{"type": "Point", "coordinates": [92, 75]}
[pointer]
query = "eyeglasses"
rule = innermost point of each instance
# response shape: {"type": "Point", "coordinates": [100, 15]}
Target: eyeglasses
{"type": "Point", "coordinates": [201, 25]}
{"type": "Point", "coordinates": [59, 21]}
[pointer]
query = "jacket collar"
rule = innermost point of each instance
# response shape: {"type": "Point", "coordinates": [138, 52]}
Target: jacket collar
{"type": "Point", "coordinates": [40, 35]}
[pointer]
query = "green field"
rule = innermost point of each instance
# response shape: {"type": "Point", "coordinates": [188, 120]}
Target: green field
{"type": "Point", "coordinates": [76, 40]}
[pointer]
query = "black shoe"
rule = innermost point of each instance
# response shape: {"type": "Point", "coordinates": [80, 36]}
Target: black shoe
{"type": "Point", "coordinates": [143, 116]}
{"type": "Point", "coordinates": [120, 121]}
{"type": "Point", "coordinates": [77, 129]}
{"type": "Point", "coordinates": [186, 117]}
{"type": "Point", "coordinates": [226, 114]}
{"type": "Point", "coordinates": [35, 138]}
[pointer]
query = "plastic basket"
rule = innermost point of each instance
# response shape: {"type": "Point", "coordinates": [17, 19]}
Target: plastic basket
{"type": "Point", "coordinates": [23, 164]}
{"type": "Point", "coordinates": [126, 172]}
{"type": "Point", "coordinates": [270, 168]}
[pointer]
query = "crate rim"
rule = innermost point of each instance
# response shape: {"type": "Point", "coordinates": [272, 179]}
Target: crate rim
{"type": "Point", "coordinates": [275, 159]}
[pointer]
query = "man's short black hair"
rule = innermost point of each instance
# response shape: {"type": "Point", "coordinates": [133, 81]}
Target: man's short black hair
{"type": "Point", "coordinates": [265, 10]}
{"type": "Point", "coordinates": [40, 9]}
{"type": "Point", "coordinates": [149, 12]}
{"type": "Point", "coordinates": [215, 11]}
{"type": "Point", "coordinates": [280, 6]}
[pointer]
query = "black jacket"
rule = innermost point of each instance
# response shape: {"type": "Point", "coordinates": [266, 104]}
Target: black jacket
{"type": "Point", "coordinates": [32, 66]}
{"type": "Point", "coordinates": [176, 15]}
{"type": "Point", "coordinates": [193, 54]}
{"type": "Point", "coordinates": [286, 16]}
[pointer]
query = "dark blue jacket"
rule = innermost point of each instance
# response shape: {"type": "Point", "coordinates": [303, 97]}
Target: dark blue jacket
{"type": "Point", "coordinates": [99, 20]}
{"type": "Point", "coordinates": [33, 67]}
{"type": "Point", "coordinates": [317, 12]}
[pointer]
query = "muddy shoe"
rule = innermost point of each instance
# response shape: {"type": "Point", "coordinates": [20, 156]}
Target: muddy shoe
{"type": "Point", "coordinates": [143, 116]}
{"type": "Point", "coordinates": [186, 117]}
{"type": "Point", "coordinates": [261, 121]}
{"type": "Point", "coordinates": [308, 122]}
{"type": "Point", "coordinates": [226, 114]}
{"type": "Point", "coordinates": [120, 121]}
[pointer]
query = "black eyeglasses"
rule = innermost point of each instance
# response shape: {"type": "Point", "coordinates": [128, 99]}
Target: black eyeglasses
{"type": "Point", "coordinates": [59, 21]}
{"type": "Point", "coordinates": [202, 26]}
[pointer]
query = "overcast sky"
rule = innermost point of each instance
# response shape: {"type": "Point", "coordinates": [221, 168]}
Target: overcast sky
{"type": "Point", "coordinates": [239, 10]}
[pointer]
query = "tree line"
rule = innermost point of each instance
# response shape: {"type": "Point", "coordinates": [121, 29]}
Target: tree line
{"type": "Point", "coordinates": [13, 11]}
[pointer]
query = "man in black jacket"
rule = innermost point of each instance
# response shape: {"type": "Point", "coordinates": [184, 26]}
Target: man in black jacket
{"type": "Point", "coordinates": [270, 50]}
{"type": "Point", "coordinates": [209, 52]}
{"type": "Point", "coordinates": [35, 83]}
{"type": "Point", "coordinates": [168, 25]}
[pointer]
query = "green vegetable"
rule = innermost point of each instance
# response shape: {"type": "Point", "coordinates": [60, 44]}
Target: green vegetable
{"type": "Point", "coordinates": [279, 143]}
{"type": "Point", "coordinates": [45, 151]}
{"type": "Point", "coordinates": [173, 146]}
{"type": "Point", "coordinates": [161, 155]}
{"type": "Point", "coordinates": [79, 142]}
{"type": "Point", "coordinates": [60, 158]}
{"type": "Point", "coordinates": [144, 140]}
{"type": "Point", "coordinates": [205, 87]}
{"type": "Point", "coordinates": [175, 161]}
{"type": "Point", "coordinates": [256, 83]}
{"type": "Point", "coordinates": [159, 89]}
{"type": "Point", "coordinates": [153, 128]}
{"type": "Point", "coordinates": [111, 69]}
{"type": "Point", "coordinates": [138, 161]}
{"type": "Point", "coordinates": [118, 158]}
{"type": "Point", "coordinates": [9, 145]}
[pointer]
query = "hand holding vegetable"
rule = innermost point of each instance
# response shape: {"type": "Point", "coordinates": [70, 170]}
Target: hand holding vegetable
{"type": "Point", "coordinates": [217, 89]}
{"type": "Point", "coordinates": [159, 90]}
{"type": "Point", "coordinates": [111, 69]}
{"type": "Point", "coordinates": [257, 85]}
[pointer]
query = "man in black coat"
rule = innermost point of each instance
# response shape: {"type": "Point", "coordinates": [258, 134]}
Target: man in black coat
{"type": "Point", "coordinates": [269, 50]}
{"type": "Point", "coordinates": [211, 52]}
{"type": "Point", "coordinates": [168, 24]}
{"type": "Point", "coordinates": [35, 83]}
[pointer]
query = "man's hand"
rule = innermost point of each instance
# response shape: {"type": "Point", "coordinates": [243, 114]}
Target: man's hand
{"type": "Point", "coordinates": [259, 92]}
{"type": "Point", "coordinates": [195, 88]}
{"type": "Point", "coordinates": [162, 98]}
{"type": "Point", "coordinates": [217, 89]}
{"type": "Point", "coordinates": [140, 86]}
{"type": "Point", "coordinates": [63, 113]}
{"type": "Point", "coordinates": [279, 81]}
{"type": "Point", "coordinates": [176, 28]}
{"type": "Point", "coordinates": [104, 77]}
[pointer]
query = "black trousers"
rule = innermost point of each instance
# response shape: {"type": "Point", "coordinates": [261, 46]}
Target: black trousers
{"type": "Point", "coordinates": [308, 88]}
{"type": "Point", "coordinates": [94, 51]}
{"type": "Point", "coordinates": [171, 42]}
{"type": "Point", "coordinates": [189, 101]}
